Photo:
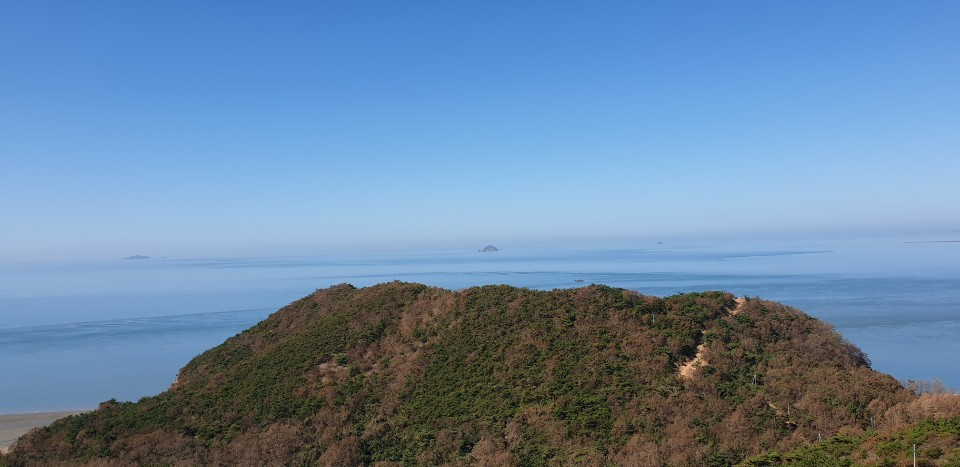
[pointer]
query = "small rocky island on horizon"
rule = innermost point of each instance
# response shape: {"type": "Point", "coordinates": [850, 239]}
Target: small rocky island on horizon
{"type": "Point", "coordinates": [137, 257]}
{"type": "Point", "coordinates": [488, 249]}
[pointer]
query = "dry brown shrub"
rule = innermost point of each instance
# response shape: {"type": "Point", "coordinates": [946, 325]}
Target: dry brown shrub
{"type": "Point", "coordinates": [638, 452]}
{"type": "Point", "coordinates": [491, 453]}
{"type": "Point", "coordinates": [154, 447]}
{"type": "Point", "coordinates": [345, 452]}
{"type": "Point", "coordinates": [924, 406]}
{"type": "Point", "coordinates": [680, 446]}
{"type": "Point", "coordinates": [269, 447]}
{"type": "Point", "coordinates": [324, 427]}
{"type": "Point", "coordinates": [540, 418]}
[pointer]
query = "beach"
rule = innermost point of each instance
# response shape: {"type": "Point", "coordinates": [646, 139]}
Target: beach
{"type": "Point", "coordinates": [13, 426]}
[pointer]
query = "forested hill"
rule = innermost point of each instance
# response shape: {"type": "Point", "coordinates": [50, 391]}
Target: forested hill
{"type": "Point", "coordinates": [405, 374]}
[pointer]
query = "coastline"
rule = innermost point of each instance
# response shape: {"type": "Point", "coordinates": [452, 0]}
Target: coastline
{"type": "Point", "coordinates": [13, 426]}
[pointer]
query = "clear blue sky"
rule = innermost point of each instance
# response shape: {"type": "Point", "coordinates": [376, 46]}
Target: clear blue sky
{"type": "Point", "coordinates": [168, 128]}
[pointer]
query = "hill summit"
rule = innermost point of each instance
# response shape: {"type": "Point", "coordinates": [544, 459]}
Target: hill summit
{"type": "Point", "coordinates": [406, 374]}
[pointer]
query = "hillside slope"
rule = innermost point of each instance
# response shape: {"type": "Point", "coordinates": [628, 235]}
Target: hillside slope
{"type": "Point", "coordinates": [408, 374]}
{"type": "Point", "coordinates": [927, 427]}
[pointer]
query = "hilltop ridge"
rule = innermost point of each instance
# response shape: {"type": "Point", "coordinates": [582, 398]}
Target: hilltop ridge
{"type": "Point", "coordinates": [404, 374]}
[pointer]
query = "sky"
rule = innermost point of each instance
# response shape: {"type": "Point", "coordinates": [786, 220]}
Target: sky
{"type": "Point", "coordinates": [185, 128]}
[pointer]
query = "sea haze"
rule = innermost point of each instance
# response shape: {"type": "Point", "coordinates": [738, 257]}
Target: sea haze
{"type": "Point", "coordinates": [75, 334]}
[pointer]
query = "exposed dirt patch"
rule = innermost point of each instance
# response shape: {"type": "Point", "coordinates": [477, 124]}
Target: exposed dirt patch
{"type": "Point", "coordinates": [686, 370]}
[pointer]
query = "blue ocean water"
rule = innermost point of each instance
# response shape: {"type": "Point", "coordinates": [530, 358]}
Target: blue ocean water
{"type": "Point", "coordinates": [75, 334]}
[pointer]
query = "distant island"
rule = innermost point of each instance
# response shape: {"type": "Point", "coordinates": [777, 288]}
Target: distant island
{"type": "Point", "coordinates": [489, 249]}
{"type": "Point", "coordinates": [137, 257]}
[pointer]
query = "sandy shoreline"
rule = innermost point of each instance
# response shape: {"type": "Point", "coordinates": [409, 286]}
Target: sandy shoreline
{"type": "Point", "coordinates": [12, 426]}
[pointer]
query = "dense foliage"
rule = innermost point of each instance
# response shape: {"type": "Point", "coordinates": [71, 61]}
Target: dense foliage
{"type": "Point", "coordinates": [934, 441]}
{"type": "Point", "coordinates": [408, 374]}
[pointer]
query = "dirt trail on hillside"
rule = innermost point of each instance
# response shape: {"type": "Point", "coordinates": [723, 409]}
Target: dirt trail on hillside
{"type": "Point", "coordinates": [686, 370]}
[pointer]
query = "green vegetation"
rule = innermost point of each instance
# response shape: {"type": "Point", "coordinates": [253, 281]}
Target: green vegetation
{"type": "Point", "coordinates": [405, 374]}
{"type": "Point", "coordinates": [937, 442]}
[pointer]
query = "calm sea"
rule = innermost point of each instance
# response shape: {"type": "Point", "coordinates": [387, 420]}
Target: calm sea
{"type": "Point", "coordinates": [75, 334]}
